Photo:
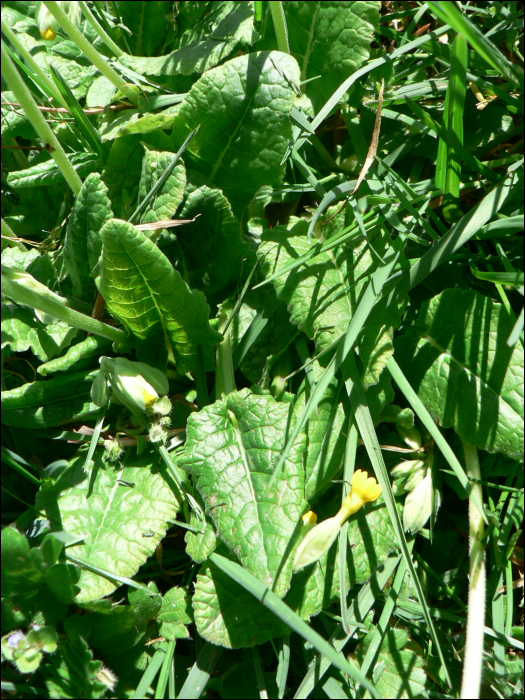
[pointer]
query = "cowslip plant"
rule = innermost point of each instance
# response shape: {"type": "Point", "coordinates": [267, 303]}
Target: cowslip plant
{"type": "Point", "coordinates": [318, 540]}
{"type": "Point", "coordinates": [250, 255]}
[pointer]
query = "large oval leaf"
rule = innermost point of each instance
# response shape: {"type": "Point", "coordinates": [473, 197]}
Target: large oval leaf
{"type": "Point", "coordinates": [456, 357]}
{"type": "Point", "coordinates": [242, 108]}
{"type": "Point", "coordinates": [231, 450]}
{"type": "Point", "coordinates": [148, 295]}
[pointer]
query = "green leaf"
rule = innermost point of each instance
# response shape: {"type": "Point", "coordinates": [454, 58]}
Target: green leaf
{"type": "Point", "coordinates": [273, 340]}
{"type": "Point", "coordinates": [230, 450]}
{"type": "Point", "coordinates": [82, 244]}
{"type": "Point", "coordinates": [72, 672]}
{"type": "Point", "coordinates": [227, 614]}
{"type": "Point", "coordinates": [330, 40]}
{"type": "Point", "coordinates": [456, 358]}
{"type": "Point", "coordinates": [147, 22]}
{"type": "Point", "coordinates": [110, 517]}
{"type": "Point", "coordinates": [23, 331]}
{"type": "Point", "coordinates": [400, 670]}
{"type": "Point", "coordinates": [232, 26]}
{"type": "Point", "coordinates": [48, 173]}
{"type": "Point", "coordinates": [122, 174]}
{"type": "Point", "coordinates": [175, 614]}
{"type": "Point", "coordinates": [142, 289]}
{"type": "Point", "coordinates": [47, 404]}
{"type": "Point", "coordinates": [249, 101]}
{"type": "Point", "coordinates": [168, 198]}
{"type": "Point", "coordinates": [214, 235]}
{"type": "Point", "coordinates": [199, 545]}
{"type": "Point", "coordinates": [326, 439]}
{"type": "Point", "coordinates": [92, 346]}
{"type": "Point", "coordinates": [116, 125]}
{"type": "Point", "coordinates": [323, 294]}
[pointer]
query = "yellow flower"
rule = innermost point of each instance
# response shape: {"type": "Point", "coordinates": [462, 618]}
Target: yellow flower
{"type": "Point", "coordinates": [364, 488]}
{"type": "Point", "coordinates": [318, 540]}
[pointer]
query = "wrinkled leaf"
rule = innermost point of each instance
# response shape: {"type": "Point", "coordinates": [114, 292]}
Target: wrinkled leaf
{"type": "Point", "coordinates": [456, 358]}
{"type": "Point", "coordinates": [231, 448]}
{"type": "Point", "coordinates": [243, 110]}
{"type": "Point", "coordinates": [149, 296]}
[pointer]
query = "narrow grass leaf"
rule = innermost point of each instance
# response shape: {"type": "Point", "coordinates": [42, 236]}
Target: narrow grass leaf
{"type": "Point", "coordinates": [454, 128]}
{"type": "Point", "coordinates": [366, 428]}
{"type": "Point", "coordinates": [279, 608]}
{"type": "Point", "coordinates": [364, 309]}
{"type": "Point", "coordinates": [200, 672]}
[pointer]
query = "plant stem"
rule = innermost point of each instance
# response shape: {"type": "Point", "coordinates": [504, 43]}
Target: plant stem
{"type": "Point", "coordinates": [28, 58]}
{"type": "Point", "coordinates": [83, 44]}
{"type": "Point", "coordinates": [224, 380]}
{"type": "Point", "coordinates": [42, 128]}
{"type": "Point", "coordinates": [279, 22]}
{"type": "Point", "coordinates": [473, 660]}
{"type": "Point", "coordinates": [100, 30]}
{"type": "Point", "coordinates": [38, 296]}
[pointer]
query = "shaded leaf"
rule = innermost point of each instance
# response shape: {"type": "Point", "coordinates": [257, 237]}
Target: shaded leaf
{"type": "Point", "coordinates": [142, 289]}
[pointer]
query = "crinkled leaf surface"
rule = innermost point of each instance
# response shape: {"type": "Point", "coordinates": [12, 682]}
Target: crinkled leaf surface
{"type": "Point", "coordinates": [22, 331]}
{"type": "Point", "coordinates": [93, 345]}
{"type": "Point", "coordinates": [199, 545]}
{"type": "Point", "coordinates": [111, 517]}
{"type": "Point", "coordinates": [143, 290]}
{"type": "Point", "coordinates": [46, 404]}
{"type": "Point", "coordinates": [214, 235]}
{"type": "Point", "coordinates": [456, 358]}
{"type": "Point", "coordinates": [228, 615]}
{"type": "Point", "coordinates": [121, 174]}
{"type": "Point", "coordinates": [147, 24]}
{"type": "Point", "coordinates": [273, 340]}
{"type": "Point", "coordinates": [326, 431]}
{"type": "Point", "coordinates": [48, 173]}
{"type": "Point", "coordinates": [82, 245]}
{"type": "Point", "coordinates": [233, 26]}
{"type": "Point", "coordinates": [403, 669]}
{"type": "Point", "coordinates": [167, 199]}
{"type": "Point", "coordinates": [323, 294]}
{"type": "Point", "coordinates": [175, 614]}
{"type": "Point", "coordinates": [243, 110]}
{"type": "Point", "coordinates": [116, 125]}
{"type": "Point", "coordinates": [232, 447]}
{"type": "Point", "coordinates": [331, 40]}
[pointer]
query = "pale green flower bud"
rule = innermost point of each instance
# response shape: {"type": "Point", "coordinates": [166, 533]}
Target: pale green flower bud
{"type": "Point", "coordinates": [136, 385]}
{"type": "Point", "coordinates": [320, 538]}
{"type": "Point", "coordinates": [49, 26]}
{"type": "Point", "coordinates": [406, 468]}
{"type": "Point", "coordinates": [415, 480]}
{"type": "Point", "coordinates": [411, 436]}
{"type": "Point", "coordinates": [418, 505]}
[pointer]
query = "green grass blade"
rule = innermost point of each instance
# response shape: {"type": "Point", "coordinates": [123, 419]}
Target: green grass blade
{"type": "Point", "coordinates": [279, 22]}
{"type": "Point", "coordinates": [448, 12]}
{"type": "Point", "coordinates": [454, 128]}
{"type": "Point", "coordinates": [289, 617]}
{"type": "Point", "coordinates": [466, 227]}
{"type": "Point", "coordinates": [162, 179]}
{"type": "Point", "coordinates": [160, 690]}
{"type": "Point", "coordinates": [149, 675]}
{"type": "Point", "coordinates": [254, 330]}
{"type": "Point", "coordinates": [346, 343]}
{"type": "Point", "coordinates": [200, 672]}
{"type": "Point", "coordinates": [425, 417]}
{"type": "Point", "coordinates": [368, 434]}
{"type": "Point", "coordinates": [284, 665]}
{"type": "Point", "coordinates": [384, 621]}
{"type": "Point", "coordinates": [359, 609]}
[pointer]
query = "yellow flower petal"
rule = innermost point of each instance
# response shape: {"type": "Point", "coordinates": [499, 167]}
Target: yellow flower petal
{"type": "Point", "coordinates": [310, 518]}
{"type": "Point", "coordinates": [364, 489]}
